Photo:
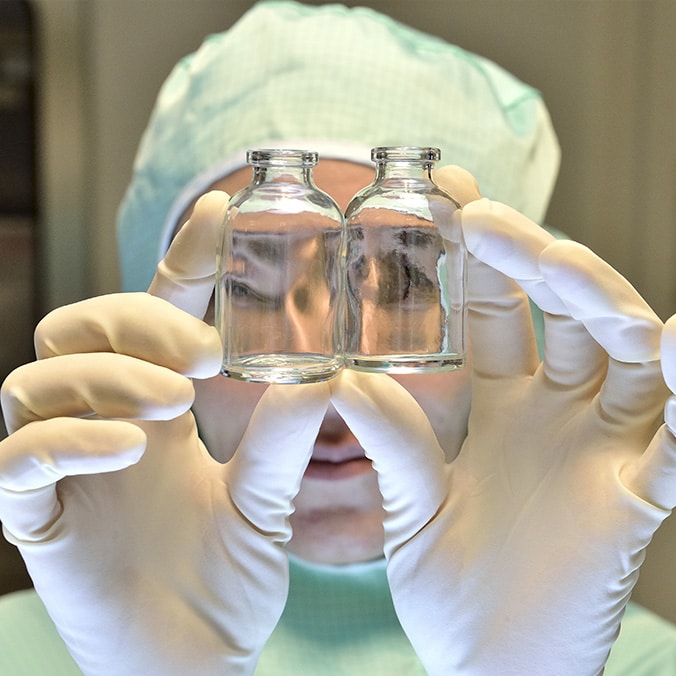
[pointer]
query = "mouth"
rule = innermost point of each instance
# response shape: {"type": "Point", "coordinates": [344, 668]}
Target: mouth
{"type": "Point", "coordinates": [334, 463]}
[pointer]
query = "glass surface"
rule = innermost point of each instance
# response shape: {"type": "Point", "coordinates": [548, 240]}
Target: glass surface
{"type": "Point", "coordinates": [279, 276]}
{"type": "Point", "coordinates": [404, 283]}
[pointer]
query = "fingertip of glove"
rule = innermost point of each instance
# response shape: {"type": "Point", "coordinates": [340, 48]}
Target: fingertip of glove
{"type": "Point", "coordinates": [670, 414]}
{"type": "Point", "coordinates": [360, 391]}
{"type": "Point", "coordinates": [458, 183]}
{"type": "Point", "coordinates": [212, 202]}
{"type": "Point", "coordinates": [132, 440]}
{"type": "Point", "coordinates": [596, 294]}
{"type": "Point", "coordinates": [182, 399]}
{"type": "Point", "coordinates": [41, 453]}
{"type": "Point", "coordinates": [349, 381]}
{"type": "Point", "coordinates": [302, 394]}
{"type": "Point", "coordinates": [668, 352]}
{"type": "Point", "coordinates": [487, 231]}
{"type": "Point", "coordinates": [175, 399]}
{"type": "Point", "coordinates": [209, 355]}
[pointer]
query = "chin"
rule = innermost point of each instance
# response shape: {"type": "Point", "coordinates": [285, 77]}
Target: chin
{"type": "Point", "coordinates": [338, 522]}
{"type": "Point", "coordinates": [335, 549]}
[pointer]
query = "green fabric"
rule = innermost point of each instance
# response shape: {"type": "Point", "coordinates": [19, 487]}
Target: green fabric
{"type": "Point", "coordinates": [337, 621]}
{"type": "Point", "coordinates": [338, 81]}
{"type": "Point", "coordinates": [29, 644]}
{"type": "Point", "coordinates": [646, 646]}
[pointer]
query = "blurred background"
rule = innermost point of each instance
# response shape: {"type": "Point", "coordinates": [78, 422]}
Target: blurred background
{"type": "Point", "coordinates": [78, 79]}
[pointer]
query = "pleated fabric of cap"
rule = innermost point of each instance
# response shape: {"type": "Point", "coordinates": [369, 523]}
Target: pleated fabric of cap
{"type": "Point", "coordinates": [339, 81]}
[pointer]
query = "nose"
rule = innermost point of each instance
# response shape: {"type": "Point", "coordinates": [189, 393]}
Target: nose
{"type": "Point", "coordinates": [334, 431]}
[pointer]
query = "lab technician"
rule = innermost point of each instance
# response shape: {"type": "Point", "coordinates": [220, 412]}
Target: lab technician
{"type": "Point", "coordinates": [487, 521]}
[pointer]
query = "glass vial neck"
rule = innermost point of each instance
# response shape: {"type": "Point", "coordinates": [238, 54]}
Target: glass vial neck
{"type": "Point", "coordinates": [273, 164]}
{"type": "Point", "coordinates": [404, 161]}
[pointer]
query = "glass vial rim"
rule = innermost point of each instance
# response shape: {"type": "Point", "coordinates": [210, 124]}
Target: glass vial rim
{"type": "Point", "coordinates": [281, 157]}
{"type": "Point", "coordinates": [405, 154]}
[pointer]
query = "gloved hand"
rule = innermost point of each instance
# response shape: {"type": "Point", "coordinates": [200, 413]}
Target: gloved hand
{"type": "Point", "coordinates": [519, 555]}
{"type": "Point", "coordinates": [151, 557]}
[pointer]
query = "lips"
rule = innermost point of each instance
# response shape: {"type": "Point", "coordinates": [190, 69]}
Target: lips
{"type": "Point", "coordinates": [333, 462]}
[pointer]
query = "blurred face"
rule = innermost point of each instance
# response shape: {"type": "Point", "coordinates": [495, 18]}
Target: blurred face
{"type": "Point", "coordinates": [338, 514]}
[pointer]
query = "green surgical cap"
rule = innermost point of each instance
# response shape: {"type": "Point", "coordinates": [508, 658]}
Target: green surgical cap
{"type": "Point", "coordinates": [338, 81]}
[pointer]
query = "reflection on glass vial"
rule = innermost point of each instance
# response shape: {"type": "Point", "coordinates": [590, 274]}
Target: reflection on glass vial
{"type": "Point", "coordinates": [279, 278]}
{"type": "Point", "coordinates": [404, 283]}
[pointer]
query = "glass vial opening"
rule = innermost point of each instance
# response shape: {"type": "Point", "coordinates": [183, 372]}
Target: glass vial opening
{"type": "Point", "coordinates": [405, 153]}
{"type": "Point", "coordinates": [282, 157]}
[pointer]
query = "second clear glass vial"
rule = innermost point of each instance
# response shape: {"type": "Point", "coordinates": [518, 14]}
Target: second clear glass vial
{"type": "Point", "coordinates": [404, 283]}
{"type": "Point", "coordinates": [278, 283]}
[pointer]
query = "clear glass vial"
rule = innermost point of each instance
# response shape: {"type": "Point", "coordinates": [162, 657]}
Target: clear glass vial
{"type": "Point", "coordinates": [404, 283]}
{"type": "Point", "coordinates": [279, 275]}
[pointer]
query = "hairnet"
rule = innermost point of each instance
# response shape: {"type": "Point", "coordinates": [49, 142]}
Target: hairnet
{"type": "Point", "coordinates": [338, 81]}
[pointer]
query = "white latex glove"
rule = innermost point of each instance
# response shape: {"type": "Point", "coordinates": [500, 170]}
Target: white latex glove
{"type": "Point", "coordinates": [151, 557]}
{"type": "Point", "coordinates": [519, 555]}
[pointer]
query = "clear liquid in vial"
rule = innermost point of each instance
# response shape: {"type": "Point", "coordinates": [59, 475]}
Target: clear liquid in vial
{"type": "Point", "coordinates": [287, 369]}
{"type": "Point", "coordinates": [406, 363]}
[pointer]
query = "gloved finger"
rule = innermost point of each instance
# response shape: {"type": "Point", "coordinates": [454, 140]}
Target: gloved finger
{"type": "Point", "coordinates": [134, 324]}
{"type": "Point", "coordinates": [668, 355]}
{"type": "Point", "coordinates": [504, 247]}
{"type": "Point", "coordinates": [502, 337]}
{"type": "Point", "coordinates": [572, 358]}
{"type": "Point", "coordinates": [653, 476]}
{"type": "Point", "coordinates": [633, 396]}
{"type": "Point", "coordinates": [398, 438]}
{"type": "Point", "coordinates": [43, 452]}
{"type": "Point", "coordinates": [106, 384]}
{"type": "Point", "coordinates": [264, 474]}
{"type": "Point", "coordinates": [605, 302]}
{"type": "Point", "coordinates": [511, 243]}
{"type": "Point", "coordinates": [458, 183]}
{"type": "Point", "coordinates": [185, 276]}
{"type": "Point", "coordinates": [620, 325]}
{"type": "Point", "coordinates": [34, 458]}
